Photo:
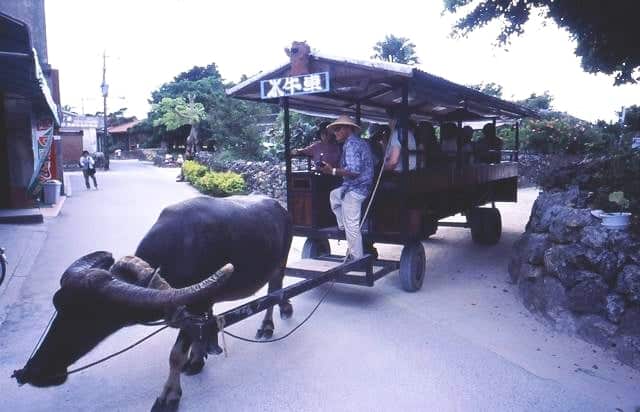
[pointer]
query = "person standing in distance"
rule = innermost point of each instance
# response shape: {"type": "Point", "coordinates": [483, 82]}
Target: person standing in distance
{"type": "Point", "coordinates": [88, 166]}
{"type": "Point", "coordinates": [356, 169]}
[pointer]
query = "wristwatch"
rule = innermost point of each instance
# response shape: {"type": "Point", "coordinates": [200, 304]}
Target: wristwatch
{"type": "Point", "coordinates": [333, 172]}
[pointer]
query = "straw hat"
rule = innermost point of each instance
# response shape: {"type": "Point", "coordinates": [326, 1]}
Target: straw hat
{"type": "Point", "coordinates": [343, 121]}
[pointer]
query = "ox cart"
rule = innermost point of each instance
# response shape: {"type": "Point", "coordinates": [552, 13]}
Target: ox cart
{"type": "Point", "coordinates": [405, 209]}
{"type": "Point", "coordinates": [409, 206]}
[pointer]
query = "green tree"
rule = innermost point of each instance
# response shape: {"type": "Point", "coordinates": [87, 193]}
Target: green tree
{"type": "Point", "coordinates": [632, 118]}
{"type": "Point", "coordinates": [395, 49]}
{"type": "Point", "coordinates": [229, 125]}
{"type": "Point", "coordinates": [492, 89]}
{"type": "Point", "coordinates": [606, 33]}
{"type": "Point", "coordinates": [537, 102]}
{"type": "Point", "coordinates": [175, 113]}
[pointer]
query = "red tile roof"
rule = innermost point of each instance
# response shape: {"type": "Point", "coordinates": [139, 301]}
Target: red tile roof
{"type": "Point", "coordinates": [122, 128]}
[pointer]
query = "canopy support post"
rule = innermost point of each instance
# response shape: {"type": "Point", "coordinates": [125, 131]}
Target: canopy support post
{"type": "Point", "coordinates": [358, 113]}
{"type": "Point", "coordinates": [404, 127]}
{"type": "Point", "coordinates": [517, 140]}
{"type": "Point", "coordinates": [287, 149]}
{"type": "Point", "coordinates": [404, 143]}
{"type": "Point", "coordinates": [459, 147]}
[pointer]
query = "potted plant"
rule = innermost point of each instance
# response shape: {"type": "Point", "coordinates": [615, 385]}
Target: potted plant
{"type": "Point", "coordinates": [617, 217]}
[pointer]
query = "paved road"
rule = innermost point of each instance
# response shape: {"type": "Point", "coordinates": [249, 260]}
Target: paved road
{"type": "Point", "coordinates": [463, 342]}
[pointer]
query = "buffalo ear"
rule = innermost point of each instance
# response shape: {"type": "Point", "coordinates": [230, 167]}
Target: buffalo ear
{"type": "Point", "coordinates": [132, 269]}
{"type": "Point", "coordinates": [158, 282]}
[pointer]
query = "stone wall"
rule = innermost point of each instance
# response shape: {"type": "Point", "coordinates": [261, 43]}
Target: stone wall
{"type": "Point", "coordinates": [579, 276]}
{"type": "Point", "coordinates": [267, 178]}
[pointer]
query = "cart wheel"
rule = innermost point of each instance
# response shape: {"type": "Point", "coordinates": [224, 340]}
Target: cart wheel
{"type": "Point", "coordinates": [315, 247]}
{"type": "Point", "coordinates": [412, 266]}
{"type": "Point", "coordinates": [486, 225]}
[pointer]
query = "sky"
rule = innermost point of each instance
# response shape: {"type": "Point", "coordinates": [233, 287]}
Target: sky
{"type": "Point", "coordinates": [149, 42]}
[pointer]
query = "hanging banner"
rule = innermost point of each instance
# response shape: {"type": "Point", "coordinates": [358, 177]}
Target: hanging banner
{"type": "Point", "coordinates": [42, 151]}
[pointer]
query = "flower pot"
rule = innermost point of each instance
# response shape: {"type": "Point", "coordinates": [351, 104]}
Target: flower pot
{"type": "Point", "coordinates": [618, 220]}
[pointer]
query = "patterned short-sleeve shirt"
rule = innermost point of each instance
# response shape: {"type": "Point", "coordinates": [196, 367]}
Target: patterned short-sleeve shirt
{"type": "Point", "coordinates": [357, 158]}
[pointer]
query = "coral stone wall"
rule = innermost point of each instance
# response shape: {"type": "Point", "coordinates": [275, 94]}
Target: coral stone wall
{"type": "Point", "coordinates": [580, 276]}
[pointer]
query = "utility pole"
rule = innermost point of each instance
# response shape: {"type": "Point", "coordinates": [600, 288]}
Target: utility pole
{"type": "Point", "coordinates": [105, 92]}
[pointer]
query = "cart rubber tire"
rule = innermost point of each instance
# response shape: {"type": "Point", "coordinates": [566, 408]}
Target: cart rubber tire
{"type": "Point", "coordinates": [315, 247]}
{"type": "Point", "coordinates": [412, 266]}
{"type": "Point", "coordinates": [486, 225]}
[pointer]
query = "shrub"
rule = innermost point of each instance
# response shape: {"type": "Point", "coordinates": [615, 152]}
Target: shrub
{"type": "Point", "coordinates": [212, 183]}
{"type": "Point", "coordinates": [220, 184]}
{"type": "Point", "coordinates": [193, 170]}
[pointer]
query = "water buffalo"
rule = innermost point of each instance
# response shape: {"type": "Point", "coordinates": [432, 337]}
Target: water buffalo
{"type": "Point", "coordinates": [243, 240]}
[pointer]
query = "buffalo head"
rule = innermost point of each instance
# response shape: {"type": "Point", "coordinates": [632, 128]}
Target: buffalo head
{"type": "Point", "coordinates": [96, 298]}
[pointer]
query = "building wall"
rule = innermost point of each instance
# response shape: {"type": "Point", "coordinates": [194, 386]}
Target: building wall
{"type": "Point", "coordinates": [32, 13]}
{"type": "Point", "coordinates": [18, 131]}
{"type": "Point", "coordinates": [87, 124]}
{"type": "Point", "coordinates": [89, 140]}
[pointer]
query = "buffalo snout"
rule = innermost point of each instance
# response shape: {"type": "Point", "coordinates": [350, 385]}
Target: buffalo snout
{"type": "Point", "coordinates": [40, 378]}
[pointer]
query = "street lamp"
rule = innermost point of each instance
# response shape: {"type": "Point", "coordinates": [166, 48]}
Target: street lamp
{"type": "Point", "coordinates": [104, 87]}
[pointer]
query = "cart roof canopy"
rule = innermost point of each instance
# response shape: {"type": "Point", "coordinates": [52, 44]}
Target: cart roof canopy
{"type": "Point", "coordinates": [377, 86]}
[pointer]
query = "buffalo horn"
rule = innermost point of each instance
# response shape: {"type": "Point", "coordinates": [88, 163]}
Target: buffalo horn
{"type": "Point", "coordinates": [95, 260]}
{"type": "Point", "coordinates": [120, 292]}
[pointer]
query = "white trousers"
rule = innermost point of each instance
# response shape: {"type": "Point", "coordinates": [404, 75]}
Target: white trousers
{"type": "Point", "coordinates": [347, 210]}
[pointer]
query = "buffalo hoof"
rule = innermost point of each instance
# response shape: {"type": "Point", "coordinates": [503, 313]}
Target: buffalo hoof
{"type": "Point", "coordinates": [163, 405]}
{"type": "Point", "coordinates": [286, 310]}
{"type": "Point", "coordinates": [266, 332]}
{"type": "Point", "coordinates": [193, 367]}
{"type": "Point", "coordinates": [214, 349]}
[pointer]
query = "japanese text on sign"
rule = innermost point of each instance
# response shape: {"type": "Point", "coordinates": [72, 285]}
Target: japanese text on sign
{"type": "Point", "coordinates": [295, 85]}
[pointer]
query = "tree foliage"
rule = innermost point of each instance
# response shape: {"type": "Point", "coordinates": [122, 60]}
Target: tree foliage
{"type": "Point", "coordinates": [556, 132]}
{"type": "Point", "coordinates": [395, 49]}
{"type": "Point", "coordinates": [174, 113]}
{"type": "Point", "coordinates": [229, 125]}
{"type": "Point", "coordinates": [632, 118]}
{"type": "Point", "coordinates": [606, 32]}
{"type": "Point", "coordinates": [491, 88]}
{"type": "Point", "coordinates": [538, 102]}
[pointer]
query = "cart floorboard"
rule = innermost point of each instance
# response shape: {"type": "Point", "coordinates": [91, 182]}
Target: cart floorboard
{"type": "Point", "coordinates": [364, 276]}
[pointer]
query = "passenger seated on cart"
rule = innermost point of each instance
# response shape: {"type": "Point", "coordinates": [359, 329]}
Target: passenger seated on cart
{"type": "Point", "coordinates": [393, 158]}
{"type": "Point", "coordinates": [356, 170]}
{"type": "Point", "coordinates": [467, 145]}
{"type": "Point", "coordinates": [449, 139]}
{"type": "Point", "coordinates": [324, 148]}
{"type": "Point", "coordinates": [489, 146]}
{"type": "Point", "coordinates": [426, 137]}
{"type": "Point", "coordinates": [378, 138]}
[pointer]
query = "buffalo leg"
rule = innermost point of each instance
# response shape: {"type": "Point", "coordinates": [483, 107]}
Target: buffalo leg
{"type": "Point", "coordinates": [286, 310]}
{"type": "Point", "coordinates": [169, 398]}
{"type": "Point", "coordinates": [196, 358]}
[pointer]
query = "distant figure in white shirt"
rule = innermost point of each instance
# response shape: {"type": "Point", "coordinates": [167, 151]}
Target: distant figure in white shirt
{"type": "Point", "coordinates": [393, 158]}
{"type": "Point", "coordinates": [88, 166]}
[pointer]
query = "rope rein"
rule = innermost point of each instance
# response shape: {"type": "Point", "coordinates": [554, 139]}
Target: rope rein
{"type": "Point", "coordinates": [121, 351]}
